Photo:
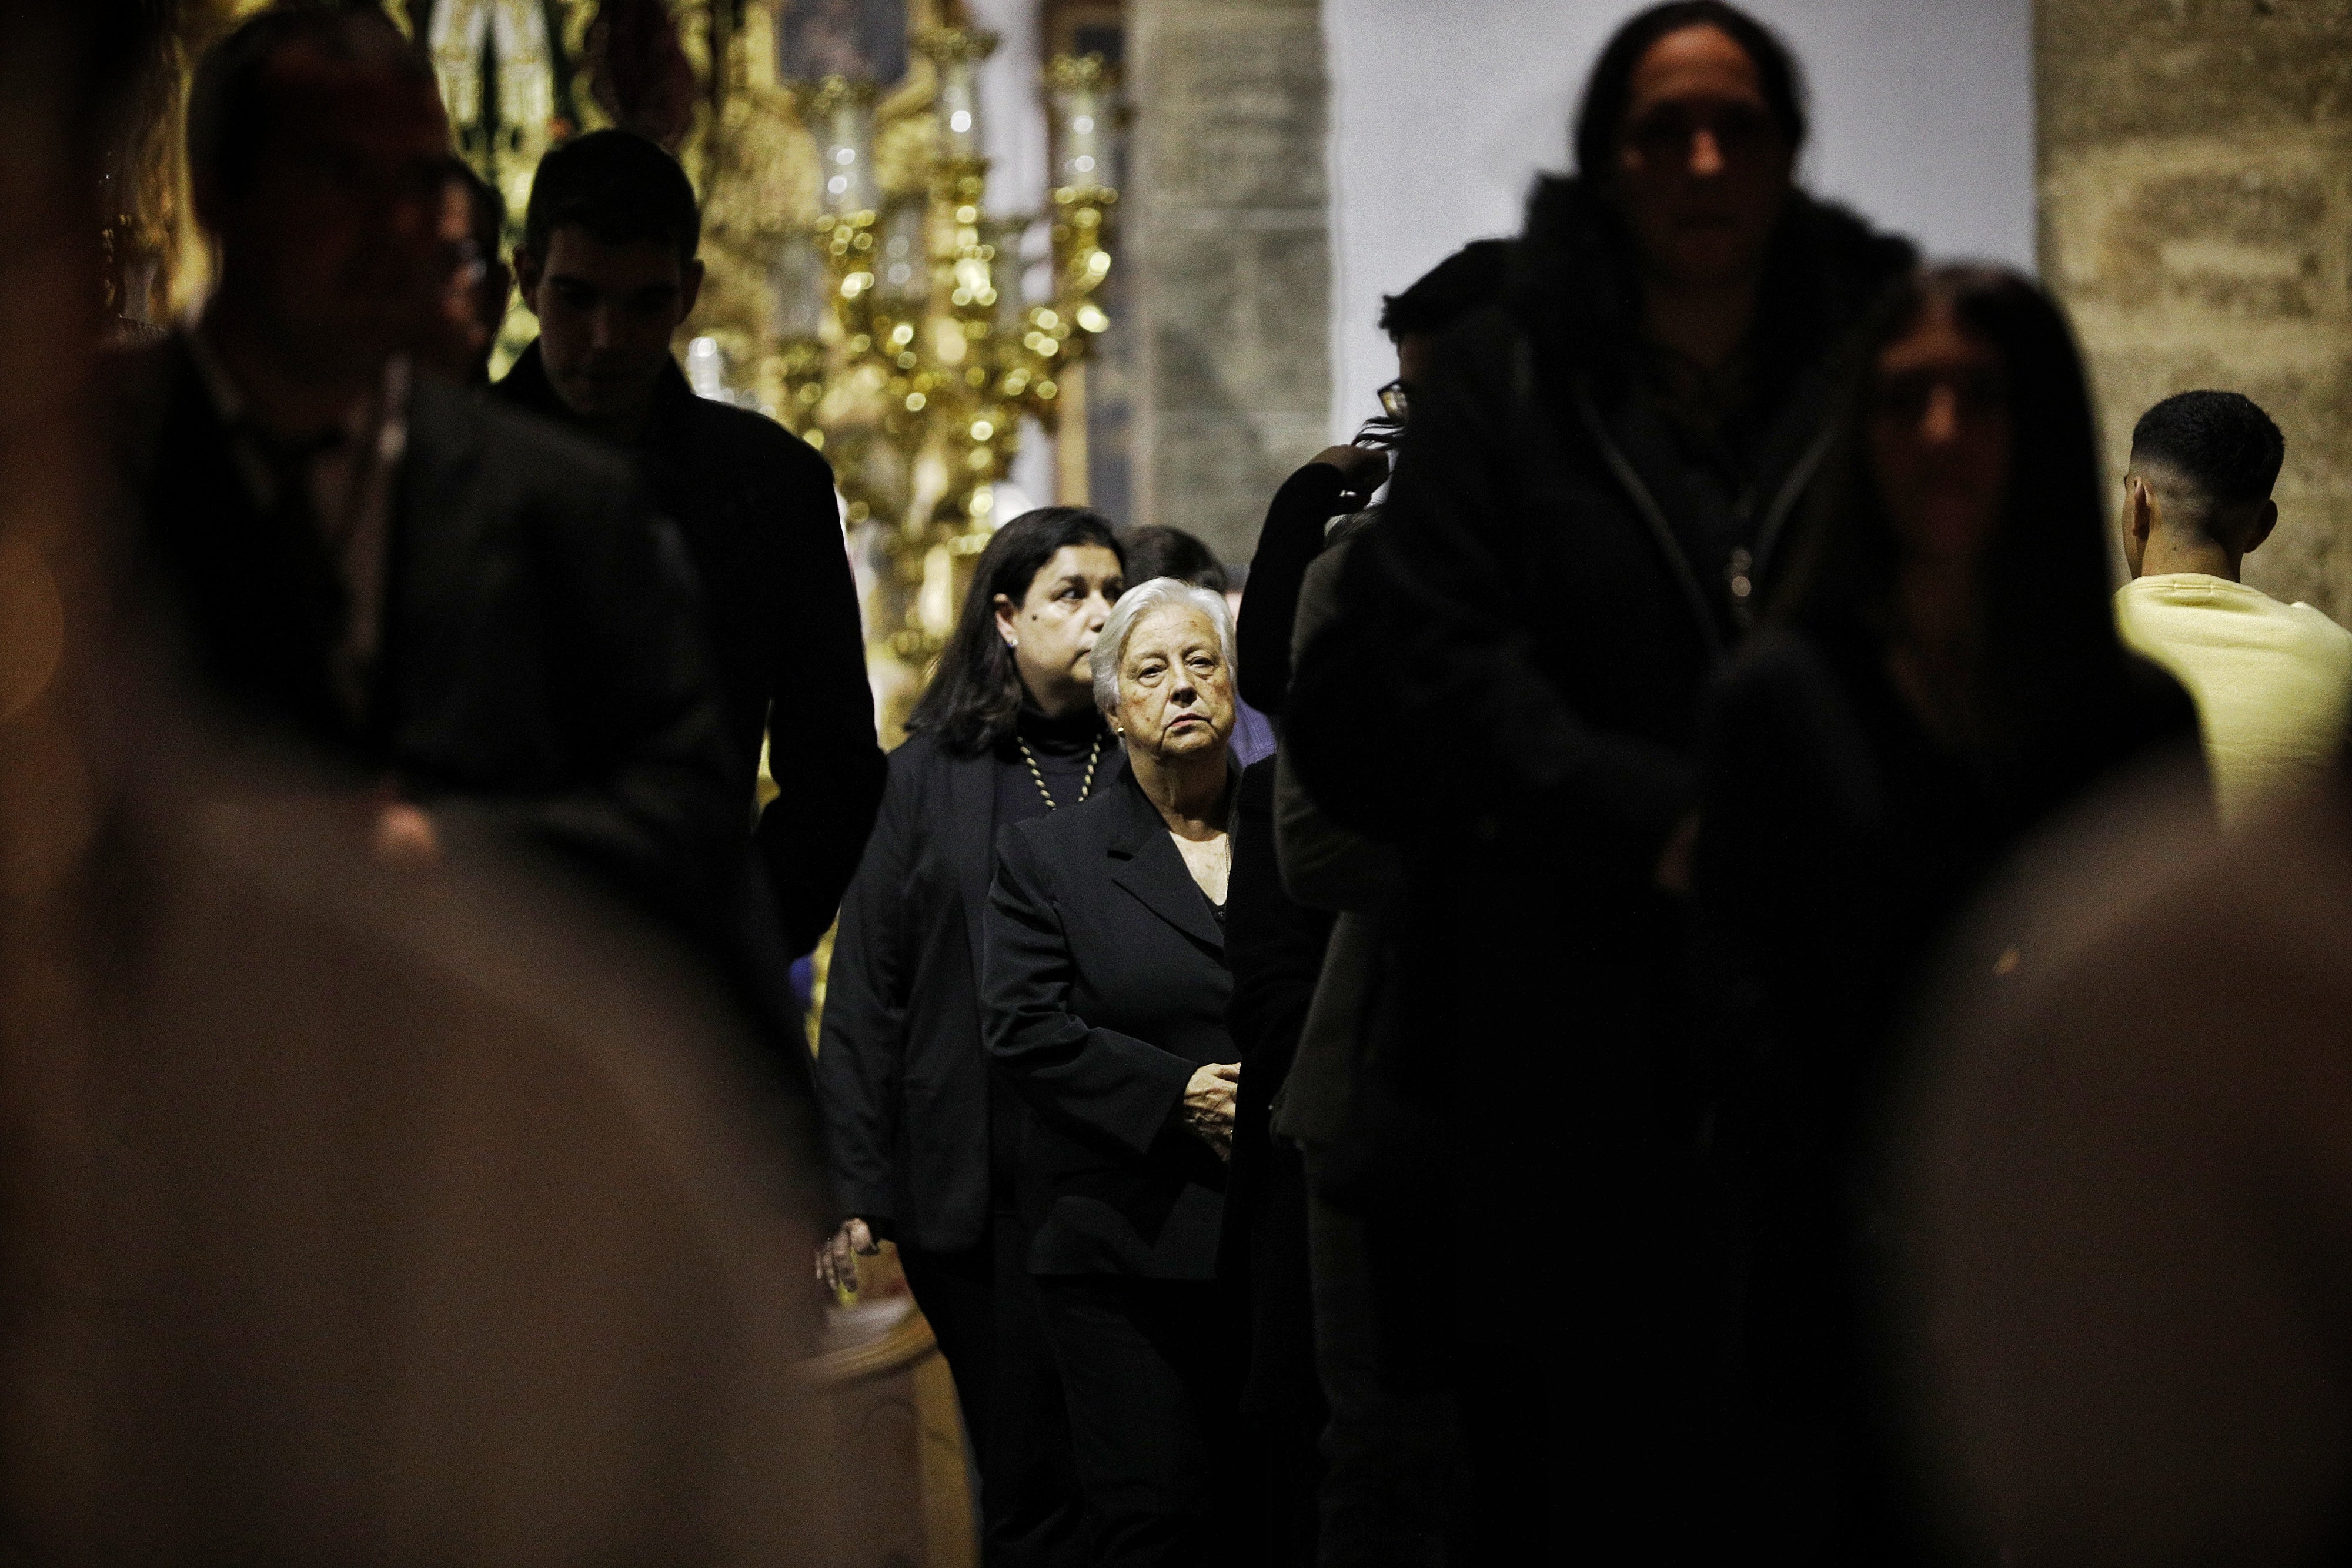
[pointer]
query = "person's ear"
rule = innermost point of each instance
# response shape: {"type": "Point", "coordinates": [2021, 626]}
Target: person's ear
{"type": "Point", "coordinates": [1005, 611]}
{"type": "Point", "coordinates": [528, 269]}
{"type": "Point", "coordinates": [2139, 509]}
{"type": "Point", "coordinates": [2262, 529]}
{"type": "Point", "coordinates": [689, 287]}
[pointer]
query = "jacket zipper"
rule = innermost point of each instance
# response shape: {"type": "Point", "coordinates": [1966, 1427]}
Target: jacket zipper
{"type": "Point", "coordinates": [1686, 575]}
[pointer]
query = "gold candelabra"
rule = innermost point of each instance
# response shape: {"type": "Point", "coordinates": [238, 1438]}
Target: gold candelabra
{"type": "Point", "coordinates": [904, 345]}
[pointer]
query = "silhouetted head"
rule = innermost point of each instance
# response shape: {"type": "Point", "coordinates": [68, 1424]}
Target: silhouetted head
{"type": "Point", "coordinates": [1468, 280]}
{"type": "Point", "coordinates": [1691, 123]}
{"type": "Point", "coordinates": [475, 280]}
{"type": "Point", "coordinates": [317, 151]}
{"type": "Point", "coordinates": [607, 263]}
{"type": "Point", "coordinates": [1040, 593]}
{"type": "Point", "coordinates": [2202, 464]}
{"type": "Point", "coordinates": [1162, 551]}
{"type": "Point", "coordinates": [1968, 453]}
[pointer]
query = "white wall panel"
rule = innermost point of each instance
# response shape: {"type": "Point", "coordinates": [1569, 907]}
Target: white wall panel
{"type": "Point", "coordinates": [1443, 111]}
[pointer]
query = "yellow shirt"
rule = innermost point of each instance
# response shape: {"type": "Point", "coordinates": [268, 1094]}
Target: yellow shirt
{"type": "Point", "coordinates": [2272, 682]}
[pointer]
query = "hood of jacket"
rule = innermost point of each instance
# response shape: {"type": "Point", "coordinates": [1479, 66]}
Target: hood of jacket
{"type": "Point", "coordinates": [1573, 283]}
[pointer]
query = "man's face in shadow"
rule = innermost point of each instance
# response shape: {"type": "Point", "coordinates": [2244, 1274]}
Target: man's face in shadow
{"type": "Point", "coordinates": [331, 249]}
{"type": "Point", "coordinates": [606, 315]}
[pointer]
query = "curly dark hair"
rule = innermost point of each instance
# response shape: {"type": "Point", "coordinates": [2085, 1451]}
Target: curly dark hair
{"type": "Point", "coordinates": [975, 693]}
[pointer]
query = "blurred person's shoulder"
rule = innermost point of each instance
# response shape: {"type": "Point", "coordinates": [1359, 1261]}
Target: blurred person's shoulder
{"type": "Point", "coordinates": [2124, 1189]}
{"type": "Point", "coordinates": [2139, 907]}
{"type": "Point", "coordinates": [448, 423]}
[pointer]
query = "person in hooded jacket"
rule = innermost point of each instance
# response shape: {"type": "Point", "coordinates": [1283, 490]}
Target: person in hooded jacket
{"type": "Point", "coordinates": [1598, 478]}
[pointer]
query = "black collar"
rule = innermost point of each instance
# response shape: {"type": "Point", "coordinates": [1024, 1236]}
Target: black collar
{"type": "Point", "coordinates": [528, 385]}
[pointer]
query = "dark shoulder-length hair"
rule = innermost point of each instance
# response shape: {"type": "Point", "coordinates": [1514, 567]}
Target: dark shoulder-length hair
{"type": "Point", "coordinates": [975, 692]}
{"type": "Point", "coordinates": [2043, 578]}
{"type": "Point", "coordinates": [1608, 89]}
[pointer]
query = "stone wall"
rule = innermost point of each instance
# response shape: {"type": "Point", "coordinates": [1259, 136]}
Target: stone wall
{"type": "Point", "coordinates": [1229, 236]}
{"type": "Point", "coordinates": [2196, 184]}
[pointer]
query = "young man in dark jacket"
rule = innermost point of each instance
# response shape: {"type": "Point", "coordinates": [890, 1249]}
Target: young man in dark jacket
{"type": "Point", "coordinates": [1594, 491]}
{"type": "Point", "coordinates": [607, 263]}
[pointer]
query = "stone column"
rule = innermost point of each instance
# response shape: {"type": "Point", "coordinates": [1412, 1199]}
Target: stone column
{"type": "Point", "coordinates": [1229, 234]}
{"type": "Point", "coordinates": [2195, 182]}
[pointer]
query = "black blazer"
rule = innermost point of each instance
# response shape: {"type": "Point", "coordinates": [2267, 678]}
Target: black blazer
{"type": "Point", "coordinates": [902, 1078]}
{"type": "Point", "coordinates": [542, 671]}
{"type": "Point", "coordinates": [755, 505]}
{"type": "Point", "coordinates": [1105, 988]}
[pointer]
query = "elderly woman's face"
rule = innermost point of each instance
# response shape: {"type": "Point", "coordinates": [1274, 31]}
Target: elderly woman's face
{"type": "Point", "coordinates": [1175, 692]}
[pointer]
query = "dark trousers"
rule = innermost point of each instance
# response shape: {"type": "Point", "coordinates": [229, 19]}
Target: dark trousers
{"type": "Point", "coordinates": [983, 1309]}
{"type": "Point", "coordinates": [1284, 1412]}
{"type": "Point", "coordinates": [1153, 1378]}
{"type": "Point", "coordinates": [1391, 1451]}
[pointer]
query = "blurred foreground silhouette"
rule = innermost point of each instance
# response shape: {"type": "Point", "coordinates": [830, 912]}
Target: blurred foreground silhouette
{"type": "Point", "coordinates": [352, 1215]}
{"type": "Point", "coordinates": [2130, 1215]}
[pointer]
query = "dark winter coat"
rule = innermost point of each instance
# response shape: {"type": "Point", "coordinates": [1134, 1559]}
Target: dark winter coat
{"type": "Point", "coordinates": [1510, 690]}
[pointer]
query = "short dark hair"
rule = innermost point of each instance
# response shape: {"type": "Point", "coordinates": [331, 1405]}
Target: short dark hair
{"type": "Point", "coordinates": [1470, 277]}
{"type": "Point", "coordinates": [1162, 551]}
{"type": "Point", "coordinates": [2220, 441]}
{"type": "Point", "coordinates": [975, 694]}
{"type": "Point", "coordinates": [232, 106]}
{"type": "Point", "coordinates": [1608, 90]}
{"type": "Point", "coordinates": [620, 187]}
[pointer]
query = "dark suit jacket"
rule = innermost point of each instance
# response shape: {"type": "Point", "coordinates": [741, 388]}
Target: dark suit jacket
{"type": "Point", "coordinates": [1105, 988]}
{"type": "Point", "coordinates": [1275, 945]}
{"type": "Point", "coordinates": [901, 1077]}
{"type": "Point", "coordinates": [756, 507]}
{"type": "Point", "coordinates": [541, 671]}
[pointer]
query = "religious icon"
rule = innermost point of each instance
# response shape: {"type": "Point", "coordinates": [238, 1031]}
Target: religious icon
{"type": "Point", "coordinates": [863, 41]}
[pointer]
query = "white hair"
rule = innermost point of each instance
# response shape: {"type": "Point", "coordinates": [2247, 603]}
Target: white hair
{"type": "Point", "coordinates": [1110, 643]}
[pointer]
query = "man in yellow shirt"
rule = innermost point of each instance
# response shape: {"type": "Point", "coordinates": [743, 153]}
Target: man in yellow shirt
{"type": "Point", "coordinates": [2272, 682]}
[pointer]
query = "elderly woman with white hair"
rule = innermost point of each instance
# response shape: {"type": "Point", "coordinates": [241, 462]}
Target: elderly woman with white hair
{"type": "Point", "coordinates": [1105, 987]}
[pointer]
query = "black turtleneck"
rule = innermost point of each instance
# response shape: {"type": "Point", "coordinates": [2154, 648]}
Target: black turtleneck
{"type": "Point", "coordinates": [1062, 747]}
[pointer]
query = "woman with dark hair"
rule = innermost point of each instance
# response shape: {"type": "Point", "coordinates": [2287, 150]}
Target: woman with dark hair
{"type": "Point", "coordinates": [1106, 988]}
{"type": "Point", "coordinates": [1591, 496]}
{"type": "Point", "coordinates": [921, 1143]}
{"type": "Point", "coordinates": [1940, 678]}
